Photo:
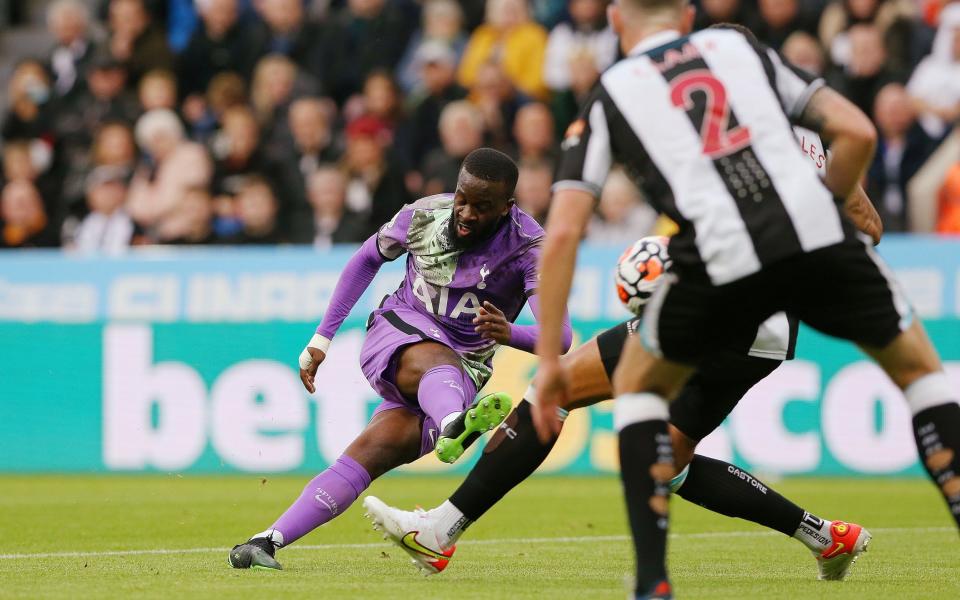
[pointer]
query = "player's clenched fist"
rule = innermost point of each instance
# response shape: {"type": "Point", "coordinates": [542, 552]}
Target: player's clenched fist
{"type": "Point", "coordinates": [310, 359]}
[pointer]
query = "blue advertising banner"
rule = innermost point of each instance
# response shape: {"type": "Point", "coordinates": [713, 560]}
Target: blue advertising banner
{"type": "Point", "coordinates": [185, 361]}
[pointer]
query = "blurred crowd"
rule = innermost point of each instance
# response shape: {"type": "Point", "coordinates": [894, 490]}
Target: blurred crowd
{"type": "Point", "coordinates": [284, 121]}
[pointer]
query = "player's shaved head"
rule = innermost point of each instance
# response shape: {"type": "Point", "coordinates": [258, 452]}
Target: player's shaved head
{"type": "Point", "coordinates": [492, 165]}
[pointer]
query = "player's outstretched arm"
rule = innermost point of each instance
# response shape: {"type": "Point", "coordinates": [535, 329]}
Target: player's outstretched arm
{"type": "Point", "coordinates": [354, 280]}
{"type": "Point", "coordinates": [569, 214]}
{"type": "Point", "coordinates": [851, 134]}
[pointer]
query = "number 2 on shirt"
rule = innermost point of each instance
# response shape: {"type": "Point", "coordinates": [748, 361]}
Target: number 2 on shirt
{"type": "Point", "coordinates": [719, 139]}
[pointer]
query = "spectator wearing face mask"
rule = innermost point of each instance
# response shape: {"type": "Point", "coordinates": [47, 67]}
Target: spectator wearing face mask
{"type": "Point", "coordinates": [23, 221]}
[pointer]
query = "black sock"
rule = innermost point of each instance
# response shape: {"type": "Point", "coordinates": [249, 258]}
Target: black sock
{"type": "Point", "coordinates": [731, 491]}
{"type": "Point", "coordinates": [511, 455]}
{"type": "Point", "coordinates": [937, 433]}
{"type": "Point", "coordinates": [645, 452]}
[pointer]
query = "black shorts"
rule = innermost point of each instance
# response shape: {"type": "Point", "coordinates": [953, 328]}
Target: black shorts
{"type": "Point", "coordinates": [845, 291]}
{"type": "Point", "coordinates": [710, 394]}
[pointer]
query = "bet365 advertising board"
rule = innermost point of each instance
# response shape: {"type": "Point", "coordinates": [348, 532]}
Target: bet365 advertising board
{"type": "Point", "coordinates": [186, 361]}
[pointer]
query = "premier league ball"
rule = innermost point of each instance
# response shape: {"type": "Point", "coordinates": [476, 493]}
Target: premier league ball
{"type": "Point", "coordinates": [639, 270]}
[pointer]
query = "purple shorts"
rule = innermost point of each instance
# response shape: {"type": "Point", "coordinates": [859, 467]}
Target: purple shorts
{"type": "Point", "coordinates": [391, 330]}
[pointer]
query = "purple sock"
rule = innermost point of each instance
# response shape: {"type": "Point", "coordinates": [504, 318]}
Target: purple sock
{"type": "Point", "coordinates": [444, 390]}
{"type": "Point", "coordinates": [326, 496]}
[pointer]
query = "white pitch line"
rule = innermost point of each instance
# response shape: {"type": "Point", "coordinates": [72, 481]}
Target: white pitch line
{"type": "Point", "coordinates": [537, 540]}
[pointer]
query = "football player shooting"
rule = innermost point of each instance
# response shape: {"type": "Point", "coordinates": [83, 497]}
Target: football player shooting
{"type": "Point", "coordinates": [430, 345]}
{"type": "Point", "coordinates": [704, 119]}
{"type": "Point", "coordinates": [515, 452]}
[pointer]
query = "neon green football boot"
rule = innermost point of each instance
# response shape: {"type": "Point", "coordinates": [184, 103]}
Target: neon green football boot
{"type": "Point", "coordinates": [486, 413]}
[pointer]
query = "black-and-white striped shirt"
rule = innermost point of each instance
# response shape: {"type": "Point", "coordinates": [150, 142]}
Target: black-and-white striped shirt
{"type": "Point", "coordinates": [703, 123]}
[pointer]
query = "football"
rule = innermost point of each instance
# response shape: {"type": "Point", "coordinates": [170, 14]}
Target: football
{"type": "Point", "coordinates": [639, 269]}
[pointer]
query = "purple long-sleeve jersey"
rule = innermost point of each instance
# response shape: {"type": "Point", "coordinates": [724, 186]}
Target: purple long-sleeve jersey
{"type": "Point", "coordinates": [444, 281]}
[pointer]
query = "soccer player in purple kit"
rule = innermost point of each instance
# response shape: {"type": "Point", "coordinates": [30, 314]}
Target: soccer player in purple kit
{"type": "Point", "coordinates": [472, 260]}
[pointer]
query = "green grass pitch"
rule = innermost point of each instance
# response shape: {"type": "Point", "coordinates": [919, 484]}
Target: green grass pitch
{"type": "Point", "coordinates": [77, 537]}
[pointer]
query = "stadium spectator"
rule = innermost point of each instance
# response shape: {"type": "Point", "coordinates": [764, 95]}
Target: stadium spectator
{"type": "Point", "coordinates": [23, 220]}
{"type": "Point", "coordinates": [715, 12]}
{"type": "Point", "coordinates": [236, 151]}
{"type": "Point", "coordinates": [135, 40]}
{"type": "Point", "coordinates": [383, 99]}
{"type": "Point", "coordinates": [284, 30]}
{"type": "Point", "coordinates": [107, 227]}
{"type": "Point", "coordinates": [622, 214]}
{"type": "Point", "coordinates": [461, 132]}
{"type": "Point", "coordinates": [935, 85]}
{"type": "Point", "coordinates": [191, 223]}
{"type": "Point", "coordinates": [203, 113]}
{"type": "Point", "coordinates": [170, 166]}
{"type": "Point", "coordinates": [276, 83]}
{"type": "Point", "coordinates": [905, 40]}
{"type": "Point", "coordinates": [29, 115]}
{"type": "Point", "coordinates": [498, 102]}
{"type": "Point", "coordinates": [112, 145]}
{"type": "Point", "coordinates": [332, 222]}
{"type": "Point", "coordinates": [68, 21]}
{"type": "Point", "coordinates": [362, 36]}
{"type": "Point", "coordinates": [437, 64]}
{"type": "Point", "coordinates": [804, 51]}
{"type": "Point", "coordinates": [157, 89]}
{"type": "Point", "coordinates": [312, 144]}
{"type": "Point", "coordinates": [533, 188]}
{"type": "Point", "coordinates": [22, 161]}
{"type": "Point", "coordinates": [586, 38]}
{"type": "Point", "coordinates": [256, 207]}
{"type": "Point", "coordinates": [376, 187]}
{"type": "Point", "coordinates": [533, 131]}
{"type": "Point", "coordinates": [442, 23]}
{"type": "Point", "coordinates": [220, 43]}
{"type": "Point", "coordinates": [862, 77]}
{"type": "Point", "coordinates": [902, 148]}
{"type": "Point", "coordinates": [779, 19]}
{"type": "Point", "coordinates": [510, 39]}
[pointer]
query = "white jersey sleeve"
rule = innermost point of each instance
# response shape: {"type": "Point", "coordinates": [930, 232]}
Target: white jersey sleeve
{"type": "Point", "coordinates": [812, 147]}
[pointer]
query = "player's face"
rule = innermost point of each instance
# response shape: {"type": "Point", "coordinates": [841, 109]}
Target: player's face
{"type": "Point", "coordinates": [478, 206]}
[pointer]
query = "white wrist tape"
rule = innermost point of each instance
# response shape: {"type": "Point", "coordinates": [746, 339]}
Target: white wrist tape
{"type": "Point", "coordinates": [319, 342]}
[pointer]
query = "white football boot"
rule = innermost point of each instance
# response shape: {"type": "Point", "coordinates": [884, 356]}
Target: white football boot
{"type": "Point", "coordinates": [413, 531]}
